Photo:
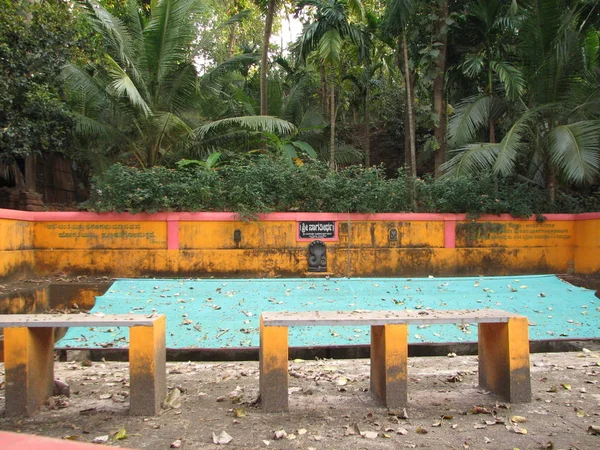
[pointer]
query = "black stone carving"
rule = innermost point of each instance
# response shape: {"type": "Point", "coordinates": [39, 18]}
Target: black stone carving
{"type": "Point", "coordinates": [237, 236]}
{"type": "Point", "coordinates": [317, 257]}
{"type": "Point", "coordinates": [393, 234]}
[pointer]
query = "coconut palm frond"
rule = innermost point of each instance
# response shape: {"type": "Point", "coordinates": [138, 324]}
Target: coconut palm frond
{"type": "Point", "coordinates": [510, 146]}
{"type": "Point", "coordinates": [79, 80]}
{"type": "Point", "coordinates": [575, 150]}
{"type": "Point", "coordinates": [471, 159]}
{"type": "Point", "coordinates": [330, 45]}
{"type": "Point", "coordinates": [254, 123]}
{"type": "Point", "coordinates": [125, 87]}
{"type": "Point", "coordinates": [169, 34]}
{"type": "Point", "coordinates": [469, 118]}
{"type": "Point", "coordinates": [93, 128]}
{"type": "Point", "coordinates": [511, 78]}
{"type": "Point", "coordinates": [233, 63]}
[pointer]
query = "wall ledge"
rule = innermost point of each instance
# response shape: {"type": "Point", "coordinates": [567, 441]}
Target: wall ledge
{"type": "Point", "coordinates": [83, 216]}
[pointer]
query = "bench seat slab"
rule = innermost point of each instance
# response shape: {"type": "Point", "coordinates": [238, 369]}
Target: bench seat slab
{"type": "Point", "coordinates": [147, 368]}
{"type": "Point", "coordinates": [29, 365]}
{"type": "Point", "coordinates": [389, 359]}
{"type": "Point", "coordinates": [273, 368]}
{"type": "Point", "coordinates": [29, 368]}
{"type": "Point", "coordinates": [504, 359]}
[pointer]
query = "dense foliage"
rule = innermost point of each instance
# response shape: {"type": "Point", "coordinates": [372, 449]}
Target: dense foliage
{"type": "Point", "coordinates": [269, 185]}
{"type": "Point", "coordinates": [474, 94]}
{"type": "Point", "coordinates": [35, 42]}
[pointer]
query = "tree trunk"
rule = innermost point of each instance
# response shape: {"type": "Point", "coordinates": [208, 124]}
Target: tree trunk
{"type": "Point", "coordinates": [331, 120]}
{"type": "Point", "coordinates": [264, 107]}
{"type": "Point", "coordinates": [367, 135]}
{"type": "Point", "coordinates": [324, 96]}
{"type": "Point", "coordinates": [551, 182]}
{"type": "Point", "coordinates": [439, 104]}
{"type": "Point", "coordinates": [409, 108]}
{"type": "Point", "coordinates": [231, 43]}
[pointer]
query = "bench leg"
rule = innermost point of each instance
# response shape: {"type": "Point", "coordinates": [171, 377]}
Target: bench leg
{"type": "Point", "coordinates": [147, 368]}
{"type": "Point", "coordinates": [273, 368]}
{"type": "Point", "coordinates": [389, 361]}
{"type": "Point", "coordinates": [504, 359]}
{"type": "Point", "coordinates": [29, 367]}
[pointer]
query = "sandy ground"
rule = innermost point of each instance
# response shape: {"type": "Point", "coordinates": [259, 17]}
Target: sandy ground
{"type": "Point", "coordinates": [330, 407]}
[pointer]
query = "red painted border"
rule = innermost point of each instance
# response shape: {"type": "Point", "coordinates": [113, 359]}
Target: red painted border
{"type": "Point", "coordinates": [450, 234]}
{"type": "Point", "coordinates": [63, 216]}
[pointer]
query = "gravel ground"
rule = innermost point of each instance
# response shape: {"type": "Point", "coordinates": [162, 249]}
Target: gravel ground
{"type": "Point", "coordinates": [330, 407]}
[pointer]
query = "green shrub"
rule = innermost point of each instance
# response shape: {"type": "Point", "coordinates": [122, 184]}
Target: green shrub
{"type": "Point", "coordinates": [265, 184]}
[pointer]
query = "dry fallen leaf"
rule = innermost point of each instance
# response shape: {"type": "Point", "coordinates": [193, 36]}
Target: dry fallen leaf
{"type": "Point", "coordinates": [480, 410]}
{"type": "Point", "coordinates": [421, 430]}
{"type": "Point", "coordinates": [222, 438]}
{"type": "Point", "coordinates": [173, 399]}
{"type": "Point", "coordinates": [518, 419]}
{"type": "Point", "coordinates": [369, 434]}
{"type": "Point", "coordinates": [239, 412]}
{"type": "Point", "coordinates": [594, 430]}
{"type": "Point", "coordinates": [101, 439]}
{"type": "Point", "coordinates": [121, 434]}
{"type": "Point", "coordinates": [279, 434]}
{"type": "Point", "coordinates": [566, 386]}
{"type": "Point", "coordinates": [341, 381]}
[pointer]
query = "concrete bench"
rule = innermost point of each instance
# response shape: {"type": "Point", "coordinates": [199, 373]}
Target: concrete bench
{"type": "Point", "coordinates": [29, 357]}
{"type": "Point", "coordinates": [503, 350]}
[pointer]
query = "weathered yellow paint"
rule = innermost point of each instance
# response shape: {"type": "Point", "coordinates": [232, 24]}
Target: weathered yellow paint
{"type": "Point", "coordinates": [15, 235]}
{"type": "Point", "coordinates": [389, 363]}
{"type": "Point", "coordinates": [29, 368]}
{"type": "Point", "coordinates": [417, 234]}
{"type": "Point", "coordinates": [24, 301]}
{"type": "Point", "coordinates": [16, 248]}
{"type": "Point", "coordinates": [99, 235]}
{"type": "Point", "coordinates": [515, 234]}
{"type": "Point", "coordinates": [504, 359]}
{"type": "Point", "coordinates": [271, 247]}
{"type": "Point", "coordinates": [254, 235]}
{"type": "Point", "coordinates": [293, 262]}
{"type": "Point", "coordinates": [273, 367]}
{"type": "Point", "coordinates": [587, 247]}
{"type": "Point", "coordinates": [147, 368]}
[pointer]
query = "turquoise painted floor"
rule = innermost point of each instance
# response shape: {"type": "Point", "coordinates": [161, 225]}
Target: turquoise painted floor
{"type": "Point", "coordinates": [222, 313]}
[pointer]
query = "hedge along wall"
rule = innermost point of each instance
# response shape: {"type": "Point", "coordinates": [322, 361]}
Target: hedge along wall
{"type": "Point", "coordinates": [222, 245]}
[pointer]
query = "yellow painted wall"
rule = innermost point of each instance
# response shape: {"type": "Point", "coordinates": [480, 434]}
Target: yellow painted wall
{"type": "Point", "coordinates": [254, 235]}
{"type": "Point", "coordinates": [417, 234]}
{"type": "Point", "coordinates": [271, 248]}
{"type": "Point", "coordinates": [16, 248]}
{"type": "Point", "coordinates": [515, 234]}
{"type": "Point", "coordinates": [587, 246]}
{"type": "Point", "coordinates": [98, 235]}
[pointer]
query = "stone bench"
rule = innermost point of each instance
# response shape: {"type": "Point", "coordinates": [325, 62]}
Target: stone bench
{"type": "Point", "coordinates": [29, 357]}
{"type": "Point", "coordinates": [503, 350]}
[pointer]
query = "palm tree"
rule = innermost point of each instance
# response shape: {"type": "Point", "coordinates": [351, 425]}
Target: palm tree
{"type": "Point", "coordinates": [270, 8]}
{"type": "Point", "coordinates": [326, 35]}
{"type": "Point", "coordinates": [136, 100]}
{"type": "Point", "coordinates": [490, 31]}
{"type": "Point", "coordinates": [439, 103]}
{"type": "Point", "coordinates": [397, 19]}
{"type": "Point", "coordinates": [553, 130]}
{"type": "Point", "coordinates": [145, 98]}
